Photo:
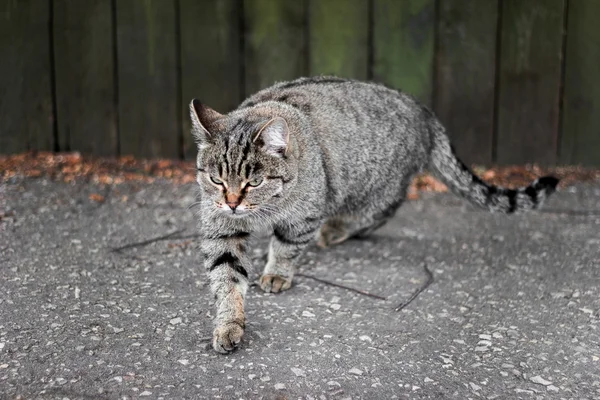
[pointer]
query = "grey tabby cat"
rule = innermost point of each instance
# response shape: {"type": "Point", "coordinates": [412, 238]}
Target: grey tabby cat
{"type": "Point", "coordinates": [316, 157]}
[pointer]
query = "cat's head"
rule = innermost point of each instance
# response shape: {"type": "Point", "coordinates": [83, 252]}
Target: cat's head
{"type": "Point", "coordinates": [245, 163]}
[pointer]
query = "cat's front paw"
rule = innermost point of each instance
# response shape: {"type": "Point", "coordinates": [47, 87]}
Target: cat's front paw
{"type": "Point", "coordinates": [226, 337]}
{"type": "Point", "coordinates": [274, 283]}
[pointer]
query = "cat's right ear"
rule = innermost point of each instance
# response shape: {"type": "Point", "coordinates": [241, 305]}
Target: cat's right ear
{"type": "Point", "coordinates": [203, 117]}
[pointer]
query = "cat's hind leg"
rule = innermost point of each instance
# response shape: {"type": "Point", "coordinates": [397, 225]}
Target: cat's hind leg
{"type": "Point", "coordinates": [287, 245]}
{"type": "Point", "coordinates": [341, 228]}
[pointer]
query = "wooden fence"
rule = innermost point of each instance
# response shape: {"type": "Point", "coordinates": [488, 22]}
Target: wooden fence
{"type": "Point", "coordinates": [515, 81]}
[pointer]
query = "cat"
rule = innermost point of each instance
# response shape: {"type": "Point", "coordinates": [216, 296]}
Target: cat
{"type": "Point", "coordinates": [322, 157]}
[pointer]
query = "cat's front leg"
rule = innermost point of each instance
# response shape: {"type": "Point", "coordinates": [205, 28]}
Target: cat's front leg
{"type": "Point", "coordinates": [225, 260]}
{"type": "Point", "coordinates": [287, 245]}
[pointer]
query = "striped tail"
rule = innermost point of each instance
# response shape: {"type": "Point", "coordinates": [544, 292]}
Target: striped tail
{"type": "Point", "coordinates": [463, 182]}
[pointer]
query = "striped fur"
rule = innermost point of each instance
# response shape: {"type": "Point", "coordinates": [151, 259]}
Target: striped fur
{"type": "Point", "coordinates": [462, 181]}
{"type": "Point", "coordinates": [317, 157]}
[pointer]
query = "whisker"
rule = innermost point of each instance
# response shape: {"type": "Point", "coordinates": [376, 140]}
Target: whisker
{"type": "Point", "coordinates": [194, 204]}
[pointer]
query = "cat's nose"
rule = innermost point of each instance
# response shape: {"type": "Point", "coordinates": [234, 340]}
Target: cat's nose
{"type": "Point", "coordinates": [232, 200]}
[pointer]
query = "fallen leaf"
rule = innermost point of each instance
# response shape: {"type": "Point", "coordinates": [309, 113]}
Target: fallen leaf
{"type": "Point", "coordinates": [98, 198]}
{"type": "Point", "coordinates": [72, 167]}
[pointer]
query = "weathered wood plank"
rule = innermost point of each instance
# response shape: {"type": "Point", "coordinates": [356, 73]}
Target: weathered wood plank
{"type": "Point", "coordinates": [465, 76]}
{"type": "Point", "coordinates": [580, 135]}
{"type": "Point", "coordinates": [26, 109]}
{"type": "Point", "coordinates": [529, 81]}
{"type": "Point", "coordinates": [211, 58]}
{"type": "Point", "coordinates": [149, 112]}
{"type": "Point", "coordinates": [84, 68]}
{"type": "Point", "coordinates": [403, 39]}
{"type": "Point", "coordinates": [275, 43]}
{"type": "Point", "coordinates": [339, 38]}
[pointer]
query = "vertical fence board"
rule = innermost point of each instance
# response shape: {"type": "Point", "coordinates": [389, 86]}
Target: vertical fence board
{"type": "Point", "coordinates": [403, 36]}
{"type": "Point", "coordinates": [25, 77]}
{"type": "Point", "coordinates": [232, 48]}
{"type": "Point", "coordinates": [465, 76]}
{"type": "Point", "coordinates": [211, 58]}
{"type": "Point", "coordinates": [580, 136]}
{"type": "Point", "coordinates": [149, 116]}
{"type": "Point", "coordinates": [529, 81]}
{"type": "Point", "coordinates": [84, 65]}
{"type": "Point", "coordinates": [275, 42]}
{"type": "Point", "coordinates": [339, 38]}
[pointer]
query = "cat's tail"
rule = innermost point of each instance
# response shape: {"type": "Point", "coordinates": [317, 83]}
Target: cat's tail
{"type": "Point", "coordinates": [462, 181]}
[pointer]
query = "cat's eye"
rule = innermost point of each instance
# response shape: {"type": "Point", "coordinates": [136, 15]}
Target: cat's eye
{"type": "Point", "coordinates": [215, 180]}
{"type": "Point", "coordinates": [255, 182]}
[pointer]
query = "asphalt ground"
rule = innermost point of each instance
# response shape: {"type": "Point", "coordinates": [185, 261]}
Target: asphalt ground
{"type": "Point", "coordinates": [513, 311]}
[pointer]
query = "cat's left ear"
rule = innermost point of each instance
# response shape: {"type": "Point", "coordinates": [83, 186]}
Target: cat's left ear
{"type": "Point", "coordinates": [203, 117]}
{"type": "Point", "coordinates": [274, 137]}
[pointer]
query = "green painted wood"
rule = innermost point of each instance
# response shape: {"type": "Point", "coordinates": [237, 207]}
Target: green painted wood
{"type": "Point", "coordinates": [529, 81]}
{"type": "Point", "coordinates": [211, 58]}
{"type": "Point", "coordinates": [26, 115]}
{"type": "Point", "coordinates": [403, 45]}
{"type": "Point", "coordinates": [339, 38]}
{"type": "Point", "coordinates": [580, 134]}
{"type": "Point", "coordinates": [275, 44]}
{"type": "Point", "coordinates": [149, 111]}
{"type": "Point", "coordinates": [465, 76]}
{"type": "Point", "coordinates": [84, 68]}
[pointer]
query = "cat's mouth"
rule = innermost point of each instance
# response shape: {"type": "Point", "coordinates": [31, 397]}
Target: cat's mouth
{"type": "Point", "coordinates": [238, 212]}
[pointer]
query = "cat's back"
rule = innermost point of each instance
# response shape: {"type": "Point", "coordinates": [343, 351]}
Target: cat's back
{"type": "Point", "coordinates": [329, 95]}
{"type": "Point", "coordinates": [364, 130]}
{"type": "Point", "coordinates": [350, 115]}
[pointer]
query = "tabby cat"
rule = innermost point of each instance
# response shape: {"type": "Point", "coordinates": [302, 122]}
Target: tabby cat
{"type": "Point", "coordinates": [325, 158]}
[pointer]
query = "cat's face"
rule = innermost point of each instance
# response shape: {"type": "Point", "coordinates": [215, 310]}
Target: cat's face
{"type": "Point", "coordinates": [243, 165]}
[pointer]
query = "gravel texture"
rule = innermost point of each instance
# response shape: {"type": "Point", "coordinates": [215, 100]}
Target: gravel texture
{"type": "Point", "coordinates": [513, 311]}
